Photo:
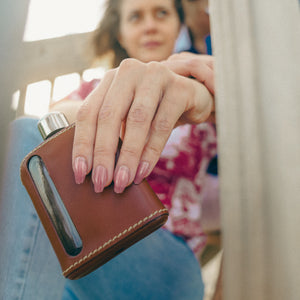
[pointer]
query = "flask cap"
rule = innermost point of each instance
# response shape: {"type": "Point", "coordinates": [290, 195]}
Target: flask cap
{"type": "Point", "coordinates": [52, 123]}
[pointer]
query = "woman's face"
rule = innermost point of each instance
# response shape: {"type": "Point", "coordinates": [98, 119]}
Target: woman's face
{"type": "Point", "coordinates": [148, 29]}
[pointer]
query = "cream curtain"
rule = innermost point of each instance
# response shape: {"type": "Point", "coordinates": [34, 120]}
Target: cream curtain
{"type": "Point", "coordinates": [13, 15]}
{"type": "Point", "coordinates": [257, 49]}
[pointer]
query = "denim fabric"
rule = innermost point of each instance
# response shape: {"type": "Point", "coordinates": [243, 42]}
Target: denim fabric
{"type": "Point", "coordinates": [28, 266]}
{"type": "Point", "coordinates": [160, 266]}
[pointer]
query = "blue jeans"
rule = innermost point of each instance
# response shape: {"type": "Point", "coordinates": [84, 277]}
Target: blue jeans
{"type": "Point", "coordinates": [160, 266]}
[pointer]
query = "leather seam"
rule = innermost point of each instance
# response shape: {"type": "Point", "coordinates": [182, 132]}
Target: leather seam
{"type": "Point", "coordinates": [130, 228]}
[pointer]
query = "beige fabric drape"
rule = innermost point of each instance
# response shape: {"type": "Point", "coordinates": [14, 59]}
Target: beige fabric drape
{"type": "Point", "coordinates": [257, 49]}
{"type": "Point", "coordinates": [13, 15]}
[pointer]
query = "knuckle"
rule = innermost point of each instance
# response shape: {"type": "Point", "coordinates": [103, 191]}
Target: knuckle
{"type": "Point", "coordinates": [155, 68]}
{"type": "Point", "coordinates": [163, 126]}
{"type": "Point", "coordinates": [128, 64]}
{"type": "Point", "coordinates": [129, 151]}
{"type": "Point", "coordinates": [84, 112]}
{"type": "Point", "coordinates": [154, 151]}
{"type": "Point", "coordinates": [101, 151]}
{"type": "Point", "coordinates": [83, 144]}
{"type": "Point", "coordinates": [106, 113]}
{"type": "Point", "coordinates": [175, 56]}
{"type": "Point", "coordinates": [137, 115]}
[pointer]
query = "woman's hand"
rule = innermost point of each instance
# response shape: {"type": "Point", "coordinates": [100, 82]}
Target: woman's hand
{"type": "Point", "coordinates": [200, 67]}
{"type": "Point", "coordinates": [144, 102]}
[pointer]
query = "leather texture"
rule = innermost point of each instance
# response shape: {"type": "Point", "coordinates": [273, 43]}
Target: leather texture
{"type": "Point", "coordinates": [107, 223]}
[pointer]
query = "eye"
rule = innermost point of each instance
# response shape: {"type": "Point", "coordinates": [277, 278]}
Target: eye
{"type": "Point", "coordinates": [134, 17]}
{"type": "Point", "coordinates": [161, 13]}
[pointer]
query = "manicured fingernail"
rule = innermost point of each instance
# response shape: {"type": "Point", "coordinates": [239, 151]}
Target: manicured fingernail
{"type": "Point", "coordinates": [80, 169]}
{"type": "Point", "coordinates": [121, 179]}
{"type": "Point", "coordinates": [99, 178]}
{"type": "Point", "coordinates": [141, 172]}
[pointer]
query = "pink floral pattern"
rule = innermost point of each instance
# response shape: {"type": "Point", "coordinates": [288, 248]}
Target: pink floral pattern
{"type": "Point", "coordinates": [179, 175]}
{"type": "Point", "coordinates": [178, 178]}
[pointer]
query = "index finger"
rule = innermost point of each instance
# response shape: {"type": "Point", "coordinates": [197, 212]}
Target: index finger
{"type": "Point", "coordinates": [85, 129]}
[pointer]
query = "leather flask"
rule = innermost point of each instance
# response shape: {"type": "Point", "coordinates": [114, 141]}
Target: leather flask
{"type": "Point", "coordinates": [86, 229]}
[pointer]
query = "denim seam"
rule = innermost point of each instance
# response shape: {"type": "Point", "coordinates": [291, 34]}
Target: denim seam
{"type": "Point", "coordinates": [35, 228]}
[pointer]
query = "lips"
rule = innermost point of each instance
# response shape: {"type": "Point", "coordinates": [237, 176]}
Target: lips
{"type": "Point", "coordinates": [151, 44]}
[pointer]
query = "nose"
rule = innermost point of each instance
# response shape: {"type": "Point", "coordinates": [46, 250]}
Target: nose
{"type": "Point", "coordinates": [150, 23]}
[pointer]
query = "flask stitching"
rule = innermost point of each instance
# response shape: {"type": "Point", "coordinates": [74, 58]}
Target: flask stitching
{"type": "Point", "coordinates": [113, 239]}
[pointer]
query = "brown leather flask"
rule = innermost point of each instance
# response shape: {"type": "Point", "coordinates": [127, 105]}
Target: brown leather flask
{"type": "Point", "coordinates": [86, 229]}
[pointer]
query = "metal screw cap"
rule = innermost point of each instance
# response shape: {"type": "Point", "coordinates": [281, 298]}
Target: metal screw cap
{"type": "Point", "coordinates": [52, 123]}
